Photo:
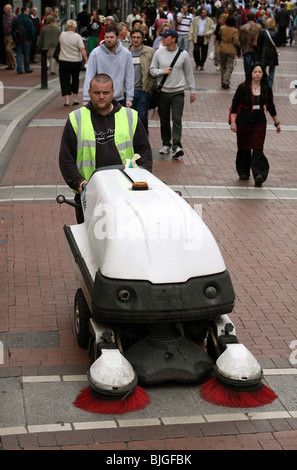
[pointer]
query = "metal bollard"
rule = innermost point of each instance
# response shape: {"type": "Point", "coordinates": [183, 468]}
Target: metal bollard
{"type": "Point", "coordinates": [43, 69]}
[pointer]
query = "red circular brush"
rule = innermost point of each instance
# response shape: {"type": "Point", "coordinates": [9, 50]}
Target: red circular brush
{"type": "Point", "coordinates": [217, 393]}
{"type": "Point", "coordinates": [136, 400]}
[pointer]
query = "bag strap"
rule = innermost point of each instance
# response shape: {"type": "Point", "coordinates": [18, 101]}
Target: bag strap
{"type": "Point", "coordinates": [171, 65]}
{"type": "Point", "coordinates": [271, 40]}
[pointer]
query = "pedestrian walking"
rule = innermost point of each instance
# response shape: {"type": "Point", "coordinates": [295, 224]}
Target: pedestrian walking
{"type": "Point", "coordinates": [36, 23]}
{"type": "Point", "coordinates": [201, 29]}
{"type": "Point", "coordinates": [172, 92]}
{"type": "Point", "coordinates": [22, 42]}
{"type": "Point", "coordinates": [116, 61]}
{"type": "Point", "coordinates": [282, 19]}
{"type": "Point", "coordinates": [8, 18]}
{"type": "Point", "coordinates": [268, 41]}
{"type": "Point", "coordinates": [143, 82]}
{"type": "Point", "coordinates": [248, 120]}
{"type": "Point", "coordinates": [72, 50]}
{"type": "Point", "coordinates": [95, 28]}
{"type": "Point", "coordinates": [229, 47]}
{"type": "Point", "coordinates": [49, 38]}
{"type": "Point", "coordinates": [184, 20]}
{"type": "Point", "coordinates": [248, 35]}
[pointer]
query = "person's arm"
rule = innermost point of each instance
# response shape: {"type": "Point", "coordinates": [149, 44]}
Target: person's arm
{"type": "Point", "coordinates": [142, 146]}
{"type": "Point", "coordinates": [129, 81]}
{"type": "Point", "coordinates": [91, 72]}
{"type": "Point", "coordinates": [235, 107]}
{"type": "Point", "coordinates": [84, 54]}
{"type": "Point", "coordinates": [272, 111]}
{"type": "Point", "coordinates": [189, 77]}
{"type": "Point", "coordinates": [67, 158]}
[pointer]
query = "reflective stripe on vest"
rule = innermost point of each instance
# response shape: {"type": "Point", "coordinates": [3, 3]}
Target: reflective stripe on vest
{"type": "Point", "coordinates": [125, 126]}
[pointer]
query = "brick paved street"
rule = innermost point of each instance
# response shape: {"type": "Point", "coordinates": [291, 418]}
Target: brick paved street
{"type": "Point", "coordinates": [255, 230]}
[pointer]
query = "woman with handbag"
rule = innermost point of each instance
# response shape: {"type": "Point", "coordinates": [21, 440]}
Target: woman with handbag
{"type": "Point", "coordinates": [268, 42]}
{"type": "Point", "coordinates": [72, 50]}
{"type": "Point", "coordinates": [248, 120]}
{"type": "Point", "coordinates": [48, 39]}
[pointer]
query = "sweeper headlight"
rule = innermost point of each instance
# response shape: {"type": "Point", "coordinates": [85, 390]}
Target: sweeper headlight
{"type": "Point", "coordinates": [210, 292]}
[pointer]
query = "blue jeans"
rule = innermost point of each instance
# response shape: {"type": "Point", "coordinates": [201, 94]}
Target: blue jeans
{"type": "Point", "coordinates": [183, 42]}
{"type": "Point", "coordinates": [23, 49]}
{"type": "Point", "coordinates": [140, 104]}
{"type": "Point", "coordinates": [271, 71]}
{"type": "Point", "coordinates": [248, 59]}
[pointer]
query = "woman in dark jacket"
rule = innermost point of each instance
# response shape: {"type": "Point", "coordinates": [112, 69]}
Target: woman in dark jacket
{"type": "Point", "coordinates": [248, 120]}
{"type": "Point", "coordinates": [268, 41]}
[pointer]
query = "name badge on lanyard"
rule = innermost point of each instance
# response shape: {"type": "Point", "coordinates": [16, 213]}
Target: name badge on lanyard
{"type": "Point", "coordinates": [256, 106]}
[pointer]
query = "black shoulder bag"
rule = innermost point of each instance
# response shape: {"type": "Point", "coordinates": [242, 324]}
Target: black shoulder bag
{"type": "Point", "coordinates": [155, 92]}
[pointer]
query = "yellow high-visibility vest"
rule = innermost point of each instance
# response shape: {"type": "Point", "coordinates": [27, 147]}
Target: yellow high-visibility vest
{"type": "Point", "coordinates": [125, 126]}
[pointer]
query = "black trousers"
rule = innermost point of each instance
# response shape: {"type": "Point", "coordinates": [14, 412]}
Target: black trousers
{"type": "Point", "coordinates": [78, 210]}
{"type": "Point", "coordinates": [254, 160]}
{"type": "Point", "coordinates": [69, 77]}
{"type": "Point", "coordinates": [283, 34]}
{"type": "Point", "coordinates": [200, 51]}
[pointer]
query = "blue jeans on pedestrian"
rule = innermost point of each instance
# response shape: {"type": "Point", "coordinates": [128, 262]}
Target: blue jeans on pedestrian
{"type": "Point", "coordinates": [271, 71]}
{"type": "Point", "coordinates": [23, 50]}
{"type": "Point", "coordinates": [183, 42]}
{"type": "Point", "coordinates": [140, 104]}
{"type": "Point", "coordinates": [248, 59]}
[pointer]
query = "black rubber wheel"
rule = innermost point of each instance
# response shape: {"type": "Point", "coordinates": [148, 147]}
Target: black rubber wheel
{"type": "Point", "coordinates": [82, 316]}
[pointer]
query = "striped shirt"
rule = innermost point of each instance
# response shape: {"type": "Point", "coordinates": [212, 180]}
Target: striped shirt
{"type": "Point", "coordinates": [185, 23]}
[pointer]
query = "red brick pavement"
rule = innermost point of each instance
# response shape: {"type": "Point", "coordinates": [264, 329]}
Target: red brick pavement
{"type": "Point", "coordinates": [257, 239]}
{"type": "Point", "coordinates": [264, 435]}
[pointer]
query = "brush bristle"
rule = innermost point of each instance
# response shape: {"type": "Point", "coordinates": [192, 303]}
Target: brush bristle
{"type": "Point", "coordinates": [217, 393]}
{"type": "Point", "coordinates": [137, 400]}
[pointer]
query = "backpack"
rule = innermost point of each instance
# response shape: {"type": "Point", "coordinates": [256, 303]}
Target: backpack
{"type": "Point", "coordinates": [19, 34]}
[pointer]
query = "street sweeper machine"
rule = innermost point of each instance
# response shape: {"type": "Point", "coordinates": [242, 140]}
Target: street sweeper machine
{"type": "Point", "coordinates": [154, 297]}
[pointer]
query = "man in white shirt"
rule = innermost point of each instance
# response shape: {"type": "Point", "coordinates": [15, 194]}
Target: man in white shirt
{"type": "Point", "coordinates": [201, 29]}
{"type": "Point", "coordinates": [133, 16]}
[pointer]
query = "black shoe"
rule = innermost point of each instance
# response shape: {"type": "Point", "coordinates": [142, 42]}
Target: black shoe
{"type": "Point", "coordinates": [258, 181]}
{"type": "Point", "coordinates": [244, 177]}
{"type": "Point", "coordinates": [29, 71]}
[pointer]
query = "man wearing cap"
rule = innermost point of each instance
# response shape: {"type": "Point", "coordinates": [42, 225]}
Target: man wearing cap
{"type": "Point", "coordinates": [201, 29]}
{"type": "Point", "coordinates": [172, 92]}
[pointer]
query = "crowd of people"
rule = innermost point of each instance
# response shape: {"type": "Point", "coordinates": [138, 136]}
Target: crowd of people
{"type": "Point", "coordinates": [130, 56]}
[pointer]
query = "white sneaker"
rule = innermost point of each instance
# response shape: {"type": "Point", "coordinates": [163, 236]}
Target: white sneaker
{"type": "Point", "coordinates": [165, 149]}
{"type": "Point", "coordinates": [178, 152]}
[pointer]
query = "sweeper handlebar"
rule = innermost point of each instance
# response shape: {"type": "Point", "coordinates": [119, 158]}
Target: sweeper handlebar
{"type": "Point", "coordinates": [62, 199]}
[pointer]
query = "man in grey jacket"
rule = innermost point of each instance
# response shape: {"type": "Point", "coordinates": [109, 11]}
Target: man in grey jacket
{"type": "Point", "coordinates": [114, 60]}
{"type": "Point", "coordinates": [172, 92]}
